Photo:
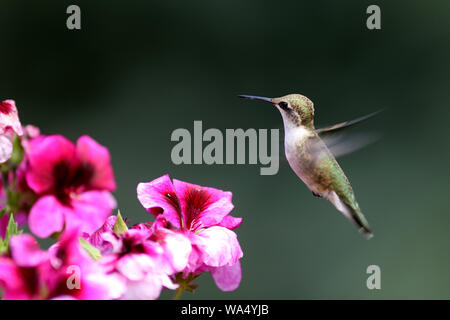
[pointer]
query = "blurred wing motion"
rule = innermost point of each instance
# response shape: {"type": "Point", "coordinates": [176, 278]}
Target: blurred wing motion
{"type": "Point", "coordinates": [339, 142]}
{"type": "Point", "coordinates": [342, 145]}
{"type": "Point", "coordinates": [344, 125]}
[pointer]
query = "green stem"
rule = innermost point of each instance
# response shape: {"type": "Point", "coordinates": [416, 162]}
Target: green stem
{"type": "Point", "coordinates": [178, 293]}
{"type": "Point", "coordinates": [5, 178]}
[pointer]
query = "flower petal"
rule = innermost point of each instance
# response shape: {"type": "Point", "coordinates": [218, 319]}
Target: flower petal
{"type": "Point", "coordinates": [44, 154]}
{"type": "Point", "coordinates": [230, 222]}
{"type": "Point", "coordinates": [97, 239]}
{"type": "Point", "coordinates": [25, 251]}
{"type": "Point", "coordinates": [146, 289]}
{"type": "Point", "coordinates": [202, 206]}
{"type": "Point", "coordinates": [135, 266]}
{"type": "Point", "coordinates": [177, 249]}
{"type": "Point", "coordinates": [68, 251]}
{"type": "Point", "coordinates": [31, 131]}
{"type": "Point", "coordinates": [91, 152]}
{"type": "Point", "coordinates": [9, 117]}
{"type": "Point", "coordinates": [11, 281]}
{"type": "Point", "coordinates": [46, 216]}
{"type": "Point", "coordinates": [218, 246]}
{"type": "Point", "coordinates": [99, 286]}
{"type": "Point", "coordinates": [89, 210]}
{"type": "Point", "coordinates": [6, 148]}
{"type": "Point", "coordinates": [227, 278]}
{"type": "Point", "coordinates": [159, 197]}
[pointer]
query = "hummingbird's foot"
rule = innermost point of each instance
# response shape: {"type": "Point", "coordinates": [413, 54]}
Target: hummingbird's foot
{"type": "Point", "coordinates": [316, 194]}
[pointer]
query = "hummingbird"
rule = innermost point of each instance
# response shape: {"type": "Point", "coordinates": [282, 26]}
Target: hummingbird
{"type": "Point", "coordinates": [311, 159]}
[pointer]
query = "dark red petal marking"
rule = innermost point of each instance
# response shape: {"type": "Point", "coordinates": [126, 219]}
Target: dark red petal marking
{"type": "Point", "coordinates": [173, 201]}
{"type": "Point", "coordinates": [83, 175]}
{"type": "Point", "coordinates": [61, 174]}
{"type": "Point", "coordinates": [197, 200]}
{"type": "Point", "coordinates": [31, 279]}
{"type": "Point", "coordinates": [68, 179]}
{"type": "Point", "coordinates": [5, 107]}
{"type": "Point", "coordinates": [61, 177]}
{"type": "Point", "coordinates": [156, 210]}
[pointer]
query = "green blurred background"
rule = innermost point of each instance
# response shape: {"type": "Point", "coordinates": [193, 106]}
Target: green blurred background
{"type": "Point", "coordinates": [140, 69]}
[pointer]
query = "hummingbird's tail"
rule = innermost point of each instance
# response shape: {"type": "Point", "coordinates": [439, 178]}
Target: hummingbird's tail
{"type": "Point", "coordinates": [352, 213]}
{"type": "Point", "coordinates": [361, 222]}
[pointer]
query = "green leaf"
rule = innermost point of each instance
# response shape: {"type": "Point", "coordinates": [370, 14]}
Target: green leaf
{"type": "Point", "coordinates": [11, 230]}
{"type": "Point", "coordinates": [3, 247]}
{"type": "Point", "coordinates": [93, 251]}
{"type": "Point", "coordinates": [120, 227]}
{"type": "Point", "coordinates": [17, 155]}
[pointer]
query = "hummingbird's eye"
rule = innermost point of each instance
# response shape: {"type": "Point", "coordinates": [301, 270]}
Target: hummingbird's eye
{"type": "Point", "coordinates": [283, 105]}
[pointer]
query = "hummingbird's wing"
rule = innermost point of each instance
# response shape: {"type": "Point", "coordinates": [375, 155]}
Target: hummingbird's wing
{"type": "Point", "coordinates": [344, 125]}
{"type": "Point", "coordinates": [340, 143]}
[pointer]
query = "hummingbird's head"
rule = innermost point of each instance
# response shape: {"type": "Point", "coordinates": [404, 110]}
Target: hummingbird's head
{"type": "Point", "coordinates": [296, 110]}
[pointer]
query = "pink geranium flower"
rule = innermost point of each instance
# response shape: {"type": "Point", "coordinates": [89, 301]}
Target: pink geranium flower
{"type": "Point", "coordinates": [202, 215]}
{"type": "Point", "coordinates": [73, 184]}
{"type": "Point", "coordinates": [31, 273]}
{"type": "Point", "coordinates": [9, 125]}
{"type": "Point", "coordinates": [141, 258]}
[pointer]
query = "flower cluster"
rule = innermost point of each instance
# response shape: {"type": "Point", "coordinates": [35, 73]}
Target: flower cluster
{"type": "Point", "coordinates": [63, 191]}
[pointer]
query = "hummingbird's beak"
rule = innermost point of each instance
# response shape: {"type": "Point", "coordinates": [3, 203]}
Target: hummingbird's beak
{"type": "Point", "coordinates": [255, 98]}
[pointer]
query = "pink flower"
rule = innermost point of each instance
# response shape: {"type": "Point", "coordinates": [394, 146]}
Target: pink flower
{"type": "Point", "coordinates": [9, 117]}
{"type": "Point", "coordinates": [176, 248]}
{"type": "Point", "coordinates": [96, 239]}
{"type": "Point", "coordinates": [9, 125]}
{"type": "Point", "coordinates": [19, 282]}
{"type": "Point", "coordinates": [73, 184]}
{"type": "Point", "coordinates": [142, 259]}
{"type": "Point", "coordinates": [201, 215]}
{"type": "Point", "coordinates": [31, 273]}
{"type": "Point", "coordinates": [29, 132]}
